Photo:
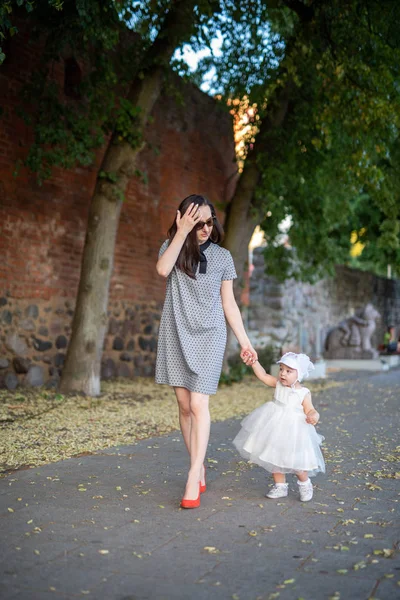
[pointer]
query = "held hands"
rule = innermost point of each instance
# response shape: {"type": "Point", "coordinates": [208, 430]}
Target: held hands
{"type": "Point", "coordinates": [186, 223]}
{"type": "Point", "coordinates": [248, 355]}
{"type": "Point", "coordinates": [312, 417]}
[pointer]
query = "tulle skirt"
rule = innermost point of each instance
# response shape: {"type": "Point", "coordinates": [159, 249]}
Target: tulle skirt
{"type": "Point", "coordinates": [280, 440]}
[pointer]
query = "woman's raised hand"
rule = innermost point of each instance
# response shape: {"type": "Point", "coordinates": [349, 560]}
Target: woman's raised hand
{"type": "Point", "coordinates": [186, 222]}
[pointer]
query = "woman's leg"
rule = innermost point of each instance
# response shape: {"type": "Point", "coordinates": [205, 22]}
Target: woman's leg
{"type": "Point", "coordinates": [183, 398]}
{"type": "Point", "coordinates": [199, 436]}
{"type": "Point", "coordinates": [185, 419]}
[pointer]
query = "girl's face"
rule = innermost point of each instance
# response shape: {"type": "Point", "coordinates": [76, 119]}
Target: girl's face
{"type": "Point", "coordinates": [206, 218]}
{"type": "Point", "coordinates": [287, 375]}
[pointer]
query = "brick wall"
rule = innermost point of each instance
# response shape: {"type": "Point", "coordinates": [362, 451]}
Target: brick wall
{"type": "Point", "coordinates": [42, 228]}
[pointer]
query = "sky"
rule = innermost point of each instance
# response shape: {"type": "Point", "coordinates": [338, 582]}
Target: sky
{"type": "Point", "coordinates": [192, 59]}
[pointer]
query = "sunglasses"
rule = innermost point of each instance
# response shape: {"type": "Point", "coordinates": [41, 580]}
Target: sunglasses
{"type": "Point", "coordinates": [209, 223]}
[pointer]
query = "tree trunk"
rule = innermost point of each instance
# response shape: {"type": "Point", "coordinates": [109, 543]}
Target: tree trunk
{"type": "Point", "coordinates": [245, 210]}
{"type": "Point", "coordinates": [83, 363]}
{"type": "Point", "coordinates": [241, 221]}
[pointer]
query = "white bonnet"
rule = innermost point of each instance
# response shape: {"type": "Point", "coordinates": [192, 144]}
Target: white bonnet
{"type": "Point", "coordinates": [300, 362]}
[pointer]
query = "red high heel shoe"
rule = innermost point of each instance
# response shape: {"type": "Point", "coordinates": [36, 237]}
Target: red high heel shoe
{"type": "Point", "coordinates": [203, 487]}
{"type": "Point", "coordinates": [191, 503]}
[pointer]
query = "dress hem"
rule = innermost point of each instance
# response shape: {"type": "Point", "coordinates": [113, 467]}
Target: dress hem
{"type": "Point", "coordinates": [271, 468]}
{"type": "Point", "coordinates": [184, 385]}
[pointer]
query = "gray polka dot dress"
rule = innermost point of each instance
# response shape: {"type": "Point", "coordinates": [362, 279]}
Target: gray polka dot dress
{"type": "Point", "coordinates": [192, 336]}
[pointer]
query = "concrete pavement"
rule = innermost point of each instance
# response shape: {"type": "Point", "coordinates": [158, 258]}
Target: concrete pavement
{"type": "Point", "coordinates": [109, 526]}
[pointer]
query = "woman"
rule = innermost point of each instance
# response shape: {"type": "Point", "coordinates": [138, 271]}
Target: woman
{"type": "Point", "coordinates": [192, 335]}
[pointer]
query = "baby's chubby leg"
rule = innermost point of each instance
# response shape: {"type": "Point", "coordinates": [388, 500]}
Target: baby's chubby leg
{"type": "Point", "coordinates": [280, 477]}
{"type": "Point", "coordinates": [302, 475]}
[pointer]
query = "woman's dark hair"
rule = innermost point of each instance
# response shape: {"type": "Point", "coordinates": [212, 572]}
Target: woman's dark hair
{"type": "Point", "coordinates": [189, 255]}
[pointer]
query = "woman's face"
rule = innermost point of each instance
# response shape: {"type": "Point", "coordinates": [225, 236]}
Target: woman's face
{"type": "Point", "coordinates": [206, 218]}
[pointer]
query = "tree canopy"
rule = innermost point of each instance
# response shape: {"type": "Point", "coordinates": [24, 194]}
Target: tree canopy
{"type": "Point", "coordinates": [334, 166]}
{"type": "Point", "coordinates": [104, 45]}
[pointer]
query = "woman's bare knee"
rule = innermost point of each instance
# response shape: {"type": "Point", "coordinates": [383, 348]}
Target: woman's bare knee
{"type": "Point", "coordinates": [199, 404]}
{"type": "Point", "coordinates": [183, 399]}
{"type": "Point", "coordinates": [184, 409]}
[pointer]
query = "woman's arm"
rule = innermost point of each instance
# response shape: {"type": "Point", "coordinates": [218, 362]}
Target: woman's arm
{"type": "Point", "coordinates": [263, 376]}
{"type": "Point", "coordinates": [312, 416]}
{"type": "Point", "coordinates": [234, 318]}
{"type": "Point", "coordinates": [184, 224]}
{"type": "Point", "coordinates": [167, 260]}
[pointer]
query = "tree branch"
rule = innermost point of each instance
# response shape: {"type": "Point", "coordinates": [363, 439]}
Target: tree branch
{"type": "Point", "coordinates": [146, 87]}
{"type": "Point", "coordinates": [178, 21]}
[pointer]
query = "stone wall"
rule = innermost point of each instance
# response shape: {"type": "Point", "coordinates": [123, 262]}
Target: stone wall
{"type": "Point", "coordinates": [42, 229]}
{"type": "Point", "coordinates": [297, 316]}
{"type": "Point", "coordinates": [35, 338]}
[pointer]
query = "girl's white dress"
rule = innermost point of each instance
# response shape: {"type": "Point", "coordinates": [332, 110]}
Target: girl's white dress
{"type": "Point", "coordinates": [277, 437]}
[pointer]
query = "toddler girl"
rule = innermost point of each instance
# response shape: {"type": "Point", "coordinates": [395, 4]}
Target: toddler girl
{"type": "Point", "coordinates": [280, 435]}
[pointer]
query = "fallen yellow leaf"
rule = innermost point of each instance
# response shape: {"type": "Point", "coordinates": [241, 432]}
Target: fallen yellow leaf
{"type": "Point", "coordinates": [211, 549]}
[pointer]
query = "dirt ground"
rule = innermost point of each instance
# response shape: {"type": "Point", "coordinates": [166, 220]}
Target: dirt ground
{"type": "Point", "coordinates": [39, 426]}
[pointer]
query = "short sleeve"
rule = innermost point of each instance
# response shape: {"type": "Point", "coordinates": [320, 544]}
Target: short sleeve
{"type": "Point", "coordinates": [305, 391]}
{"type": "Point", "coordinates": [163, 248]}
{"type": "Point", "coordinates": [229, 271]}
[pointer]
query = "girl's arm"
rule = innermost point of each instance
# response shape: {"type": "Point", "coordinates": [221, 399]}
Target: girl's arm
{"type": "Point", "coordinates": [234, 318]}
{"type": "Point", "coordinates": [263, 376]}
{"type": "Point", "coordinates": [184, 224]}
{"type": "Point", "coordinates": [312, 416]}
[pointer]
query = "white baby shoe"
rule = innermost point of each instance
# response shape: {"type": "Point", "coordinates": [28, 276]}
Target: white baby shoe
{"type": "Point", "coordinates": [306, 490]}
{"type": "Point", "coordinates": [279, 490]}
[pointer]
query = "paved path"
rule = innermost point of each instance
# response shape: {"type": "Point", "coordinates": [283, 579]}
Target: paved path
{"type": "Point", "coordinates": [108, 526]}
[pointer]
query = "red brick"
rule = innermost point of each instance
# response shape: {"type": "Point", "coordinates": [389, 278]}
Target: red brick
{"type": "Point", "coordinates": [42, 228]}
